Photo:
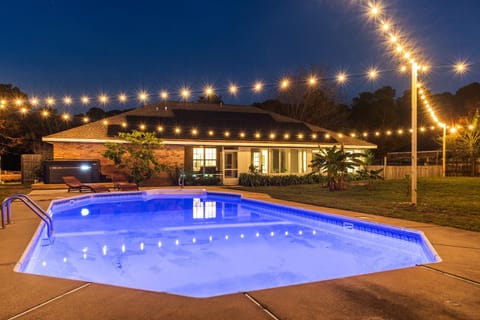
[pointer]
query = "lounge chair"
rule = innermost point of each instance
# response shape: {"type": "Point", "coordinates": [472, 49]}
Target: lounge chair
{"type": "Point", "coordinates": [121, 183]}
{"type": "Point", "coordinates": [126, 186]}
{"type": "Point", "coordinates": [74, 184]}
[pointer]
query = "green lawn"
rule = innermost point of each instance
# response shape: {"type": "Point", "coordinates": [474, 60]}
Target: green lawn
{"type": "Point", "coordinates": [451, 201]}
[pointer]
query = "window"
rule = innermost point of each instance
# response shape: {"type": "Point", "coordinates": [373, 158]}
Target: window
{"type": "Point", "coordinates": [294, 159]}
{"type": "Point", "coordinates": [204, 158]}
{"type": "Point", "coordinates": [260, 160]}
{"type": "Point", "coordinates": [279, 161]}
{"type": "Point", "coordinates": [204, 210]}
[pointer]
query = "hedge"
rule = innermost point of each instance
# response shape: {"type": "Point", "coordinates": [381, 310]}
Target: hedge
{"type": "Point", "coordinates": [257, 180]}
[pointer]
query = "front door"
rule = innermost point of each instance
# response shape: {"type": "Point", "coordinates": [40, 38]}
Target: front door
{"type": "Point", "coordinates": [231, 167]}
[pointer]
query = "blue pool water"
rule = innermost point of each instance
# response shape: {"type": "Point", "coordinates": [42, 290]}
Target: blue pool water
{"type": "Point", "coordinates": [205, 244]}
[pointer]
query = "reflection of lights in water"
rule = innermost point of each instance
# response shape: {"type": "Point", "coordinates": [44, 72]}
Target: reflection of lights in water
{"type": "Point", "coordinates": [159, 244]}
{"type": "Point", "coordinates": [257, 234]}
{"type": "Point", "coordinates": [177, 242]}
{"type": "Point", "coordinates": [84, 212]}
{"type": "Point", "coordinates": [104, 250]}
{"type": "Point", "coordinates": [210, 238]}
{"type": "Point", "coordinates": [123, 248]}
{"type": "Point", "coordinates": [194, 240]}
{"type": "Point", "coordinates": [286, 233]}
{"type": "Point", "coordinates": [142, 246]}
{"type": "Point", "coordinates": [226, 237]}
{"type": "Point", "coordinates": [84, 256]}
{"type": "Point", "coordinates": [242, 236]}
{"type": "Point", "coordinates": [272, 234]}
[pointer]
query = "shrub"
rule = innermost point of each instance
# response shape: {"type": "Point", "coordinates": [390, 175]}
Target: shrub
{"type": "Point", "coordinates": [191, 180]}
{"type": "Point", "coordinates": [257, 180]}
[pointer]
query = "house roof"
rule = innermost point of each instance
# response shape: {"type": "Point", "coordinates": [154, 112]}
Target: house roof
{"type": "Point", "coordinates": [192, 123]}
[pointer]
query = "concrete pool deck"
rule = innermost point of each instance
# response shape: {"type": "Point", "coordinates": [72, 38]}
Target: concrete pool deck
{"type": "Point", "coordinates": [446, 290]}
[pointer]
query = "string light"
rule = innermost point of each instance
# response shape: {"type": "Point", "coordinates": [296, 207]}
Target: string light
{"type": "Point", "coordinates": [372, 74]}
{"type": "Point", "coordinates": [258, 86]}
{"type": "Point", "coordinates": [50, 101]}
{"type": "Point", "coordinates": [284, 84]}
{"type": "Point", "coordinates": [122, 97]}
{"type": "Point", "coordinates": [312, 80]}
{"type": "Point", "coordinates": [164, 95]}
{"type": "Point", "coordinates": [85, 100]}
{"type": "Point", "coordinates": [143, 96]}
{"type": "Point", "coordinates": [460, 67]}
{"type": "Point", "coordinates": [374, 9]}
{"type": "Point", "coordinates": [342, 77]}
{"type": "Point", "coordinates": [103, 98]}
{"type": "Point", "coordinates": [34, 101]}
{"type": "Point", "coordinates": [67, 100]}
{"type": "Point", "coordinates": [403, 50]}
{"type": "Point", "coordinates": [233, 89]}
{"type": "Point", "coordinates": [209, 91]}
{"type": "Point", "coordinates": [185, 93]}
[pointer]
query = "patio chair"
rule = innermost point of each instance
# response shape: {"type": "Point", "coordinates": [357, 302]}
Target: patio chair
{"type": "Point", "coordinates": [74, 184]}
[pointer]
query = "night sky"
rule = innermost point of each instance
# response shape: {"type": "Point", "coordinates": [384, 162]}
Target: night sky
{"type": "Point", "coordinates": [53, 47]}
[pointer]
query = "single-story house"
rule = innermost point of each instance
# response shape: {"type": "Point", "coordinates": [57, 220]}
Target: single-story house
{"type": "Point", "coordinates": [208, 139]}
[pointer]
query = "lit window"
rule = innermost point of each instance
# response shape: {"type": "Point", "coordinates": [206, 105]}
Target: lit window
{"type": "Point", "coordinates": [204, 210]}
{"type": "Point", "coordinates": [204, 159]}
{"type": "Point", "coordinates": [260, 160]}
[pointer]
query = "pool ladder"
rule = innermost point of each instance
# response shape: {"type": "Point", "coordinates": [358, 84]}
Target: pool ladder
{"type": "Point", "coordinates": [32, 205]}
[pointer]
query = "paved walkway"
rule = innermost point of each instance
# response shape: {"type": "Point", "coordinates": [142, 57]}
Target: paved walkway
{"type": "Point", "coordinates": [446, 290]}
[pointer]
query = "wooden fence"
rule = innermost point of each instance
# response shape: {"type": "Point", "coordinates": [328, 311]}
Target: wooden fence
{"type": "Point", "coordinates": [399, 172]}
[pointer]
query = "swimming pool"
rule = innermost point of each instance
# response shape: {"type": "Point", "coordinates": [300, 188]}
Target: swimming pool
{"type": "Point", "coordinates": [201, 244]}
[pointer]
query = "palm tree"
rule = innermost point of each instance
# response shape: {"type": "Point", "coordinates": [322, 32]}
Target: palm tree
{"type": "Point", "coordinates": [465, 144]}
{"type": "Point", "coordinates": [369, 175]}
{"type": "Point", "coordinates": [335, 162]}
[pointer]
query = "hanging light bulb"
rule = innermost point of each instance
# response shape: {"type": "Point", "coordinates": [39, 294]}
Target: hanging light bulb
{"type": "Point", "coordinates": [122, 97]}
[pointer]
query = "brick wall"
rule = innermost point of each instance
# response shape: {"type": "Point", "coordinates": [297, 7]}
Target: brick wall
{"type": "Point", "coordinates": [169, 155]}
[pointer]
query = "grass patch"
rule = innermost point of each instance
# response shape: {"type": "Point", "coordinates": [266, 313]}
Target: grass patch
{"type": "Point", "coordinates": [451, 201]}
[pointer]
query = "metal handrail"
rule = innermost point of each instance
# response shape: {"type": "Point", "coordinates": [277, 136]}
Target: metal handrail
{"type": "Point", "coordinates": [32, 205]}
{"type": "Point", "coordinates": [181, 180]}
